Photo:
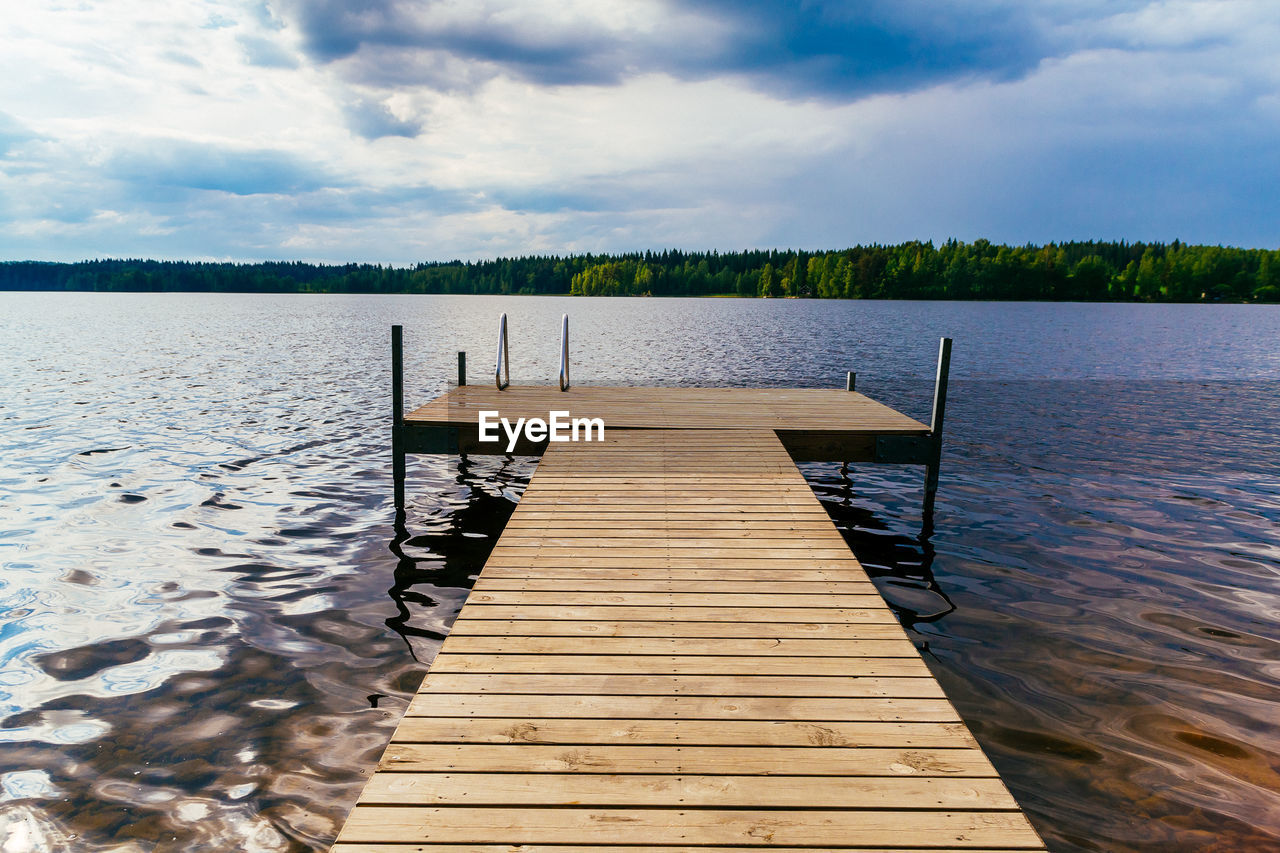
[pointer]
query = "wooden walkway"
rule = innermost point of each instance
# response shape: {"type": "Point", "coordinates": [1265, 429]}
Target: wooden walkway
{"type": "Point", "coordinates": [799, 409]}
{"type": "Point", "coordinates": [671, 647]}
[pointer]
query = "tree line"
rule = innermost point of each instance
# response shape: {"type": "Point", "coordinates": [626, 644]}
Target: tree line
{"type": "Point", "coordinates": [1083, 271]}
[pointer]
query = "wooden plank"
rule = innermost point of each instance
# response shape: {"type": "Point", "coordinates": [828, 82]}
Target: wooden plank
{"type": "Point", "coordinates": [621, 515]}
{"type": "Point", "coordinates": [660, 498]}
{"type": "Point", "coordinates": [686, 826]}
{"type": "Point", "coordinates": [589, 524]}
{"type": "Point", "coordinates": [721, 550]}
{"type": "Point", "coordinates": [670, 524]}
{"type": "Point", "coordinates": [466, 625]}
{"type": "Point", "coordinates": [458, 644]}
{"type": "Point", "coordinates": [415, 847]}
{"type": "Point", "coordinates": [749, 543]}
{"type": "Point", "coordinates": [739, 600]}
{"type": "Point", "coordinates": [908, 664]}
{"type": "Point", "coordinates": [713, 760]}
{"type": "Point", "coordinates": [697, 585]}
{"type": "Point", "coordinates": [820, 709]}
{"type": "Point", "coordinates": [669, 562]}
{"type": "Point", "coordinates": [561, 525]}
{"type": "Point", "coordinates": [682, 791]}
{"type": "Point", "coordinates": [681, 685]}
{"type": "Point", "coordinates": [664, 492]}
{"type": "Point", "coordinates": [680, 732]}
{"type": "Point", "coordinates": [616, 612]}
{"type": "Point", "coordinates": [551, 573]}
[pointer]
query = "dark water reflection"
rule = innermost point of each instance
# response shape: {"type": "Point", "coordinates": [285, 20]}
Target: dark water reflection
{"type": "Point", "coordinates": [1114, 568]}
{"type": "Point", "coordinates": [209, 627]}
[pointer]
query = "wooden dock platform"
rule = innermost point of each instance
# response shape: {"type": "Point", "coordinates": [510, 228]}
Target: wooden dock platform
{"type": "Point", "coordinates": [671, 647]}
{"type": "Point", "coordinates": [814, 424]}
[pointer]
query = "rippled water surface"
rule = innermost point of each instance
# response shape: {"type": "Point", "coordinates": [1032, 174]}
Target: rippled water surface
{"type": "Point", "coordinates": [209, 627]}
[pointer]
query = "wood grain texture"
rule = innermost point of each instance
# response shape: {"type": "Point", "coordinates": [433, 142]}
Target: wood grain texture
{"type": "Point", "coordinates": [693, 760]}
{"type": "Point", "coordinates": [704, 648]}
{"type": "Point", "coordinates": [658, 707]}
{"type": "Point", "coordinates": [748, 409]}
{"type": "Point", "coordinates": [680, 732]}
{"type": "Point", "coordinates": [691, 826]}
{"type": "Point", "coordinates": [671, 647]}
{"type": "Point", "coordinates": [417, 847]}
{"type": "Point", "coordinates": [698, 665]}
{"type": "Point", "coordinates": [677, 791]}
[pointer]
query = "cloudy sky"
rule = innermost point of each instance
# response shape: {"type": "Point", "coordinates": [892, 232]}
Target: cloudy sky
{"type": "Point", "coordinates": [407, 130]}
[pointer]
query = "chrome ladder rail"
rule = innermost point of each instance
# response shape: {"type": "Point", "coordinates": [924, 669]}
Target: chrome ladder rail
{"type": "Point", "coordinates": [564, 353]}
{"type": "Point", "coordinates": [502, 371]}
{"type": "Point", "coordinates": [504, 357]}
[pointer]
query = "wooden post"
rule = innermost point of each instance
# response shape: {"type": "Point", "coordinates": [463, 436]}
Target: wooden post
{"type": "Point", "coordinates": [850, 380]}
{"type": "Point", "coordinates": [935, 431]}
{"type": "Point", "coordinates": [397, 419]}
{"type": "Point", "coordinates": [462, 368]}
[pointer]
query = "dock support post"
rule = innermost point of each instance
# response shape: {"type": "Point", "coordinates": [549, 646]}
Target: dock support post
{"type": "Point", "coordinates": [935, 432]}
{"type": "Point", "coordinates": [397, 419]}
{"type": "Point", "coordinates": [462, 368]}
{"type": "Point", "coordinates": [850, 380]}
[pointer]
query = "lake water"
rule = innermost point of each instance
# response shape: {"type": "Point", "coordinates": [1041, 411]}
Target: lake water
{"type": "Point", "coordinates": [209, 628]}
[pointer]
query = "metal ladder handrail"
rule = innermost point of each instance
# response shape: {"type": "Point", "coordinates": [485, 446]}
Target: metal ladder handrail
{"type": "Point", "coordinates": [564, 353]}
{"type": "Point", "coordinates": [504, 356]}
{"type": "Point", "coordinates": [502, 370]}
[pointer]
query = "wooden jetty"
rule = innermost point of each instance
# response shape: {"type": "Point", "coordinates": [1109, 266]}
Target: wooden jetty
{"type": "Point", "coordinates": [671, 647]}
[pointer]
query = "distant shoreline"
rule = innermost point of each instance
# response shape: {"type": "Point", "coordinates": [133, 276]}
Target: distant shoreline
{"type": "Point", "coordinates": [708, 296]}
{"type": "Point", "coordinates": [980, 271]}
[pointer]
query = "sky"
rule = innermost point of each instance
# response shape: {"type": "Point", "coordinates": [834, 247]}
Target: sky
{"type": "Point", "coordinates": [399, 131]}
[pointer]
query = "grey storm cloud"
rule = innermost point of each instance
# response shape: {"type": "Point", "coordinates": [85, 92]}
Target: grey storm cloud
{"type": "Point", "coordinates": [849, 50]}
{"type": "Point", "coordinates": [830, 50]}
{"type": "Point", "coordinates": [373, 120]}
{"type": "Point", "coordinates": [386, 43]}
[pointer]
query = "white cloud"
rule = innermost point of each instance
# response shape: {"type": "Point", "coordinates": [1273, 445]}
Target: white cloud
{"type": "Point", "coordinates": [205, 129]}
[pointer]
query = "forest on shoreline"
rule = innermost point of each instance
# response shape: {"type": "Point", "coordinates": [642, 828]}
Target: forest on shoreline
{"type": "Point", "coordinates": [1076, 271]}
